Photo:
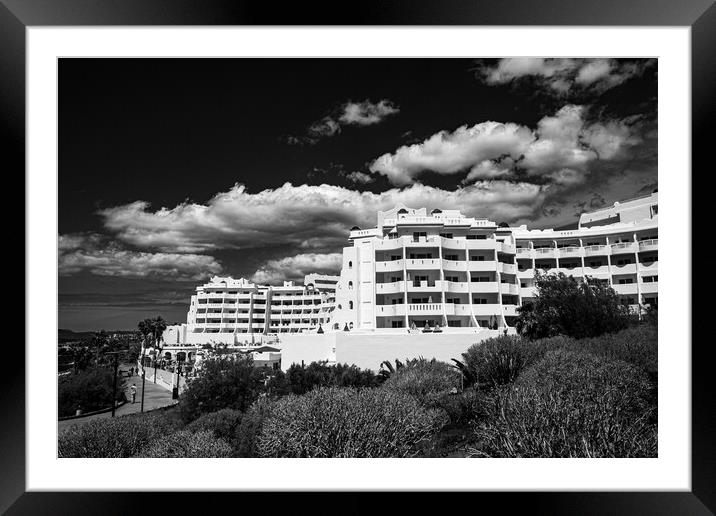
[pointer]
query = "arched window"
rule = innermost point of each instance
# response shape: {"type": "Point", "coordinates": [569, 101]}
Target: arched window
{"type": "Point", "coordinates": [350, 305]}
{"type": "Point", "coordinates": [350, 284]}
{"type": "Point", "coordinates": [350, 264]}
{"type": "Point", "coordinates": [350, 325]}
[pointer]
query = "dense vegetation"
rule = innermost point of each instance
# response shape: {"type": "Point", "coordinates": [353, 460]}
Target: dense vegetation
{"type": "Point", "coordinates": [571, 307]}
{"type": "Point", "coordinates": [88, 390]}
{"type": "Point", "coordinates": [574, 394]}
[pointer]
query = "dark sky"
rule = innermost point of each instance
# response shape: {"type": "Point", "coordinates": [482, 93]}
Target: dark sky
{"type": "Point", "coordinates": [541, 141]}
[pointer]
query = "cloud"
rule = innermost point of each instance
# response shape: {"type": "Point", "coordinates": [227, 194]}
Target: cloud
{"type": "Point", "coordinates": [564, 76]}
{"type": "Point", "coordinates": [559, 149]}
{"type": "Point", "coordinates": [315, 217]}
{"type": "Point", "coordinates": [360, 178]}
{"type": "Point", "coordinates": [96, 254]}
{"type": "Point", "coordinates": [366, 113]}
{"type": "Point", "coordinates": [362, 114]}
{"type": "Point", "coordinates": [296, 267]}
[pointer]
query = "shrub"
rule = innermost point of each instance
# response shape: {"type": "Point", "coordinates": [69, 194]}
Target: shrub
{"type": "Point", "coordinates": [301, 379]}
{"type": "Point", "coordinates": [245, 441]}
{"type": "Point", "coordinates": [499, 360]}
{"type": "Point", "coordinates": [188, 444]}
{"type": "Point", "coordinates": [424, 379]}
{"type": "Point", "coordinates": [90, 390]}
{"type": "Point", "coordinates": [461, 408]}
{"type": "Point", "coordinates": [347, 422]}
{"type": "Point", "coordinates": [571, 404]}
{"type": "Point", "coordinates": [221, 382]}
{"type": "Point", "coordinates": [112, 437]}
{"type": "Point", "coordinates": [222, 422]}
{"type": "Point", "coordinates": [566, 306]}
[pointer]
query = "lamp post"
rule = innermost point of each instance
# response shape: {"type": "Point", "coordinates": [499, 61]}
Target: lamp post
{"type": "Point", "coordinates": [114, 384]}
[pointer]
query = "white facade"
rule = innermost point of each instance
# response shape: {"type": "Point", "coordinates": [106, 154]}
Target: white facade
{"type": "Point", "coordinates": [440, 268]}
{"type": "Point", "coordinates": [235, 311]}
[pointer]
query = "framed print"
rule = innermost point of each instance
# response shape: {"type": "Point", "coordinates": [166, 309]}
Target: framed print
{"type": "Point", "coordinates": [414, 250]}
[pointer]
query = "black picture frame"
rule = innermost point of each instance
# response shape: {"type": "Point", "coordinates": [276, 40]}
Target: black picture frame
{"type": "Point", "coordinates": [17, 15]}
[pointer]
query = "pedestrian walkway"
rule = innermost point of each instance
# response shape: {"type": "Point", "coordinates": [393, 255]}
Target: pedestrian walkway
{"type": "Point", "coordinates": [156, 396]}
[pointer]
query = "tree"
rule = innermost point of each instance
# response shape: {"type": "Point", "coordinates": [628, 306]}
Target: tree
{"type": "Point", "coordinates": [575, 308]}
{"type": "Point", "coordinates": [152, 331]}
{"type": "Point", "coordinates": [223, 381]}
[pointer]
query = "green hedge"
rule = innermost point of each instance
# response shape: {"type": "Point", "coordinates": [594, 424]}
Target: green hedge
{"type": "Point", "coordinates": [222, 423]}
{"type": "Point", "coordinates": [347, 422]}
{"type": "Point", "coordinates": [424, 380]}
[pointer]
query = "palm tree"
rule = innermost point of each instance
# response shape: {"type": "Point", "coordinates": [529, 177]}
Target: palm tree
{"type": "Point", "coordinates": [152, 331]}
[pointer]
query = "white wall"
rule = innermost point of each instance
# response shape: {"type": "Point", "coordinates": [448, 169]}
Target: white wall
{"type": "Point", "coordinates": [369, 350]}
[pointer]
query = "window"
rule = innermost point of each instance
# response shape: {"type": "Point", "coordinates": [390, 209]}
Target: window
{"type": "Point", "coordinates": [350, 284]}
{"type": "Point", "coordinates": [350, 305]}
{"type": "Point", "coordinates": [446, 235]}
{"type": "Point", "coordinates": [418, 234]}
{"type": "Point", "coordinates": [479, 301]}
{"type": "Point", "coordinates": [650, 279]}
{"type": "Point", "coordinates": [454, 324]}
{"type": "Point", "coordinates": [479, 258]}
{"type": "Point", "coordinates": [350, 264]}
{"type": "Point", "coordinates": [626, 281]}
{"type": "Point", "coordinates": [396, 324]}
{"type": "Point", "coordinates": [477, 237]}
{"type": "Point", "coordinates": [452, 278]}
{"type": "Point", "coordinates": [452, 257]}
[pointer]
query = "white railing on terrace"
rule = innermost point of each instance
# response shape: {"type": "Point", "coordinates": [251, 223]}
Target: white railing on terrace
{"type": "Point", "coordinates": [426, 307]}
{"type": "Point", "coordinates": [652, 242]}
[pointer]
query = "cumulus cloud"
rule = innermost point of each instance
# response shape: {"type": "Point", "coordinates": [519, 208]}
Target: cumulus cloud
{"type": "Point", "coordinates": [315, 217]}
{"type": "Point", "coordinates": [96, 254]}
{"type": "Point", "coordinates": [561, 147]}
{"type": "Point", "coordinates": [564, 76]}
{"type": "Point", "coordinates": [362, 113]}
{"type": "Point", "coordinates": [296, 267]}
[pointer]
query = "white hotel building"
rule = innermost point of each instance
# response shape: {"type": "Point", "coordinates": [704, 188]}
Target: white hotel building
{"type": "Point", "coordinates": [441, 268]}
{"type": "Point", "coordinates": [416, 269]}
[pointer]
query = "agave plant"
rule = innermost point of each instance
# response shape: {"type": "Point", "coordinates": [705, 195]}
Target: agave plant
{"type": "Point", "coordinates": [469, 378]}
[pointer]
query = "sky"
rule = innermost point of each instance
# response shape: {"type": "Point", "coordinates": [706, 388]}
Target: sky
{"type": "Point", "coordinates": [175, 170]}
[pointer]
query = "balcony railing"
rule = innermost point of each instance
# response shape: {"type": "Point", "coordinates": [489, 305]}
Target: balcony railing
{"type": "Point", "coordinates": [426, 308]}
{"type": "Point", "coordinates": [596, 250]}
{"type": "Point", "coordinates": [623, 247]}
{"type": "Point", "coordinates": [649, 245]}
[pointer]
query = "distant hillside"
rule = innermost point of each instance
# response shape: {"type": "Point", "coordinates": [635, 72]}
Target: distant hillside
{"type": "Point", "coordinates": [64, 335]}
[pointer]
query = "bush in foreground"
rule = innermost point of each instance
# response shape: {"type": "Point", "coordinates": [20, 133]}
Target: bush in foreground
{"type": "Point", "coordinates": [222, 423]}
{"type": "Point", "coordinates": [571, 404]}
{"type": "Point", "coordinates": [347, 422]}
{"type": "Point", "coordinates": [245, 441]}
{"type": "Point", "coordinates": [500, 360]}
{"type": "Point", "coordinates": [566, 306]}
{"type": "Point", "coordinates": [112, 437]}
{"type": "Point", "coordinates": [299, 379]}
{"type": "Point", "coordinates": [424, 380]}
{"type": "Point", "coordinates": [187, 444]}
{"type": "Point", "coordinates": [222, 382]}
{"type": "Point", "coordinates": [89, 390]}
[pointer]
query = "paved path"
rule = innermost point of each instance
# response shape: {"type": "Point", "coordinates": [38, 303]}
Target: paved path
{"type": "Point", "coordinates": [156, 396]}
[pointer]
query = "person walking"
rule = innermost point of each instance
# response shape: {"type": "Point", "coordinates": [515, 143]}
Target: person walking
{"type": "Point", "coordinates": [133, 392]}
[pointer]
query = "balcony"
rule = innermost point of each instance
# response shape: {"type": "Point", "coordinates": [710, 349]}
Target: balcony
{"type": "Point", "coordinates": [650, 288]}
{"type": "Point", "coordinates": [485, 243]}
{"type": "Point", "coordinates": [483, 287]}
{"type": "Point", "coordinates": [452, 243]}
{"type": "Point", "coordinates": [624, 248]}
{"type": "Point", "coordinates": [422, 241]}
{"type": "Point", "coordinates": [627, 289]}
{"type": "Point", "coordinates": [596, 250]}
{"type": "Point", "coordinates": [526, 273]}
{"type": "Point", "coordinates": [456, 286]}
{"type": "Point", "coordinates": [389, 244]}
{"type": "Point", "coordinates": [423, 263]}
{"type": "Point", "coordinates": [508, 288]}
{"type": "Point", "coordinates": [453, 265]}
{"type": "Point", "coordinates": [426, 308]}
{"type": "Point", "coordinates": [545, 252]}
{"type": "Point", "coordinates": [649, 267]}
{"type": "Point", "coordinates": [389, 266]}
{"type": "Point", "coordinates": [528, 291]}
{"type": "Point", "coordinates": [571, 252]}
{"type": "Point", "coordinates": [649, 245]}
{"type": "Point", "coordinates": [524, 252]}
{"type": "Point", "coordinates": [461, 309]}
{"type": "Point", "coordinates": [597, 271]}
{"type": "Point", "coordinates": [507, 268]}
{"type": "Point", "coordinates": [506, 248]}
{"type": "Point", "coordinates": [390, 288]}
{"type": "Point", "coordinates": [629, 268]}
{"type": "Point", "coordinates": [424, 286]}
{"type": "Point", "coordinates": [481, 266]}
{"type": "Point", "coordinates": [487, 309]}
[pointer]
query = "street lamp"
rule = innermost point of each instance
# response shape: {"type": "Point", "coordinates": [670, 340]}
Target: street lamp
{"type": "Point", "coordinates": [114, 384]}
